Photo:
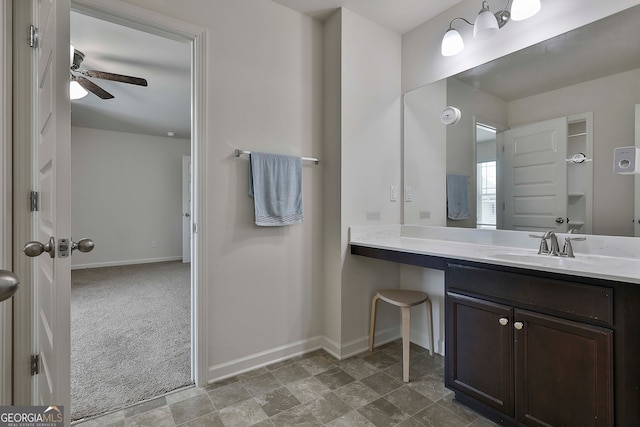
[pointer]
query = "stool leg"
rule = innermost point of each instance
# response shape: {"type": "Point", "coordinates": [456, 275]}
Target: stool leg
{"type": "Point", "coordinates": [430, 320]}
{"type": "Point", "coordinates": [406, 327]}
{"type": "Point", "coordinates": [372, 328]}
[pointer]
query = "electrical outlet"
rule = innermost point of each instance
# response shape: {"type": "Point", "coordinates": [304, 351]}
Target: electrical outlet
{"type": "Point", "coordinates": [373, 216]}
{"type": "Point", "coordinates": [154, 243]}
{"type": "Point", "coordinates": [425, 214]}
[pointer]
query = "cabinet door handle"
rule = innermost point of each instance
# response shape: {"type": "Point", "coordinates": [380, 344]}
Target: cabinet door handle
{"type": "Point", "coordinates": [503, 321]}
{"type": "Point", "coordinates": [518, 325]}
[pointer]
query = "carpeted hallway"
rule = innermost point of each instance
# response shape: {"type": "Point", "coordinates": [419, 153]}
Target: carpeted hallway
{"type": "Point", "coordinates": [130, 335]}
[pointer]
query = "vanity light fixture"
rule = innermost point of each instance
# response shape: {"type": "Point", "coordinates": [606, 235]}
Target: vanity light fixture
{"type": "Point", "coordinates": [487, 23]}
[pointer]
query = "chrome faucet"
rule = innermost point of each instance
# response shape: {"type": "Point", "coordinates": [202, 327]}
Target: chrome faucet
{"type": "Point", "coordinates": [554, 248]}
{"type": "Point", "coordinates": [568, 249]}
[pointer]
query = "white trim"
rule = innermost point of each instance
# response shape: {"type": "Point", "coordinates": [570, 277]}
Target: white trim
{"type": "Point", "coordinates": [124, 262]}
{"type": "Point", "coordinates": [22, 227]}
{"type": "Point", "coordinates": [361, 344]}
{"type": "Point", "coordinates": [144, 19]}
{"type": "Point", "coordinates": [6, 324]}
{"type": "Point", "coordinates": [248, 363]}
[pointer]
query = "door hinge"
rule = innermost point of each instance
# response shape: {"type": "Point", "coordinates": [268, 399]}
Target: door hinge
{"type": "Point", "coordinates": [35, 364]}
{"type": "Point", "coordinates": [33, 36]}
{"type": "Point", "coordinates": [34, 198]}
{"type": "Point", "coordinates": [195, 228]}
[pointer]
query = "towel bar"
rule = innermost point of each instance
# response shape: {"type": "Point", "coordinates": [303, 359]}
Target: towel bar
{"type": "Point", "coordinates": [239, 152]}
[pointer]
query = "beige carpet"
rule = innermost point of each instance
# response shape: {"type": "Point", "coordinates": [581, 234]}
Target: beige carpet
{"type": "Point", "coordinates": [130, 335]}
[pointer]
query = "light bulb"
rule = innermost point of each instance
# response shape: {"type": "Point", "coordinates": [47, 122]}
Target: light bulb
{"type": "Point", "coordinates": [486, 24]}
{"type": "Point", "coordinates": [452, 43]}
{"type": "Point", "coordinates": [524, 9]}
{"type": "Point", "coordinates": [76, 91]}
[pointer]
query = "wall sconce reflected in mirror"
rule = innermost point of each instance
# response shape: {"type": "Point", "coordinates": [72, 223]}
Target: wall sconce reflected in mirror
{"type": "Point", "coordinates": [487, 24]}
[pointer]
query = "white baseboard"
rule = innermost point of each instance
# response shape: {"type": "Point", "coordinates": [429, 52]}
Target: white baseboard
{"type": "Point", "coordinates": [124, 262]}
{"type": "Point", "coordinates": [423, 341]}
{"type": "Point", "coordinates": [359, 345]}
{"type": "Point", "coordinates": [248, 363]}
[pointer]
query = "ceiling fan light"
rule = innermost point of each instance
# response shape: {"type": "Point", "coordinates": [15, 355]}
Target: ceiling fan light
{"type": "Point", "coordinates": [486, 24]}
{"type": "Point", "coordinates": [76, 91]}
{"type": "Point", "coordinates": [452, 43]}
{"type": "Point", "coordinates": [524, 9]}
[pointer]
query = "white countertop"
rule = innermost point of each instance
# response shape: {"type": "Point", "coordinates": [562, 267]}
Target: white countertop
{"type": "Point", "coordinates": [509, 248]}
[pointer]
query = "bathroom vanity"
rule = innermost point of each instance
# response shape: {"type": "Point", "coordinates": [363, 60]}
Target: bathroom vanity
{"type": "Point", "coordinates": [531, 340]}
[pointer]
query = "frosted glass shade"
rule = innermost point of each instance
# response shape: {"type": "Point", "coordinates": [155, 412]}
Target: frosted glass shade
{"type": "Point", "coordinates": [523, 9]}
{"type": "Point", "coordinates": [485, 25]}
{"type": "Point", "coordinates": [452, 43]}
{"type": "Point", "coordinates": [76, 91]}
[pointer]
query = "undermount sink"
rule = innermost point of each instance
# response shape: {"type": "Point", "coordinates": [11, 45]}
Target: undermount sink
{"type": "Point", "coordinates": [554, 261]}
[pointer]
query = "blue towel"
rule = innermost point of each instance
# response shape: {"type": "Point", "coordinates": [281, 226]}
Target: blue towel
{"type": "Point", "coordinates": [275, 183]}
{"type": "Point", "coordinates": [457, 197]}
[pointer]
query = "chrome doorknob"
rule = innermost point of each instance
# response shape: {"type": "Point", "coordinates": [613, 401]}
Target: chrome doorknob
{"type": "Point", "coordinates": [560, 220]}
{"type": "Point", "coordinates": [83, 245]}
{"type": "Point", "coordinates": [503, 321]}
{"type": "Point", "coordinates": [518, 325]}
{"type": "Point", "coordinates": [8, 284]}
{"type": "Point", "coordinates": [35, 248]}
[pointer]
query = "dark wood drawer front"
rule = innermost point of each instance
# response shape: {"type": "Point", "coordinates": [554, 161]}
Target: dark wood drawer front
{"type": "Point", "coordinates": [577, 300]}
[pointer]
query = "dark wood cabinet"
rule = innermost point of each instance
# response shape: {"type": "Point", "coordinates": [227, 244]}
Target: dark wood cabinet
{"type": "Point", "coordinates": [562, 372]}
{"type": "Point", "coordinates": [530, 367]}
{"type": "Point", "coordinates": [480, 355]}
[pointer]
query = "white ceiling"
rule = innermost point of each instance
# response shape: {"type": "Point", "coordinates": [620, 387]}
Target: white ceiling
{"type": "Point", "coordinates": [603, 48]}
{"type": "Point", "coordinates": [164, 106]}
{"type": "Point", "coordinates": [398, 15]}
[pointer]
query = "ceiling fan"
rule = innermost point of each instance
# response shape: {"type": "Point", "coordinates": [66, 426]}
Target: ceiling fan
{"type": "Point", "coordinates": [79, 76]}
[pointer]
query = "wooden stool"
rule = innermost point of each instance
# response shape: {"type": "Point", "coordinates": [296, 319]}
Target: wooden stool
{"type": "Point", "coordinates": [405, 299]}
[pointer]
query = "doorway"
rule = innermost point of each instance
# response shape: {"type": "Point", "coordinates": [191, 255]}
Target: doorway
{"type": "Point", "coordinates": [131, 296]}
{"type": "Point", "coordinates": [25, 336]}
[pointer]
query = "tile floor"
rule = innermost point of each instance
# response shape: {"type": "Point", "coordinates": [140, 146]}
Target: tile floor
{"type": "Point", "coordinates": [313, 390]}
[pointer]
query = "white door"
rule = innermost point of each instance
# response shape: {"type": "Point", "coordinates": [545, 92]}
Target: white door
{"type": "Point", "coordinates": [51, 223]}
{"type": "Point", "coordinates": [186, 208]}
{"type": "Point", "coordinates": [534, 176]}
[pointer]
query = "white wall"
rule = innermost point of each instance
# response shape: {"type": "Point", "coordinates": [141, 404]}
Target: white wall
{"type": "Point", "coordinates": [264, 285]}
{"type": "Point", "coordinates": [475, 106]}
{"type": "Point", "coordinates": [613, 126]}
{"type": "Point", "coordinates": [126, 192]}
{"type": "Point", "coordinates": [371, 163]}
{"type": "Point", "coordinates": [362, 144]}
{"type": "Point", "coordinates": [424, 171]}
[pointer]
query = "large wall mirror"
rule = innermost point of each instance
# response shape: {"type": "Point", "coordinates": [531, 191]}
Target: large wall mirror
{"type": "Point", "coordinates": [534, 147]}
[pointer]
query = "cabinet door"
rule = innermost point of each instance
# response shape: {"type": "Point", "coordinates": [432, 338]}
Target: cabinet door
{"type": "Point", "coordinates": [479, 350]}
{"type": "Point", "coordinates": [563, 372]}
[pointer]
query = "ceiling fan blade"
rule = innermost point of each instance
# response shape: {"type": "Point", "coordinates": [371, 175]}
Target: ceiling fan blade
{"type": "Point", "coordinates": [115, 77]}
{"type": "Point", "coordinates": [93, 88]}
